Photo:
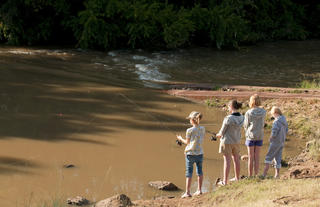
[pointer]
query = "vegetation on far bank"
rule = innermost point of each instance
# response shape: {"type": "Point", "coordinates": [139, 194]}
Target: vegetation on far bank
{"type": "Point", "coordinates": [108, 24]}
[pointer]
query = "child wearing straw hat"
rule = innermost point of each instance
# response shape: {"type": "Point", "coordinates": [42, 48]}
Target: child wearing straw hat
{"type": "Point", "coordinates": [193, 151]}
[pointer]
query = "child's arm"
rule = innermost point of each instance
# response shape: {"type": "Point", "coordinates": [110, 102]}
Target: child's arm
{"type": "Point", "coordinates": [184, 141]}
{"type": "Point", "coordinates": [246, 121]}
{"type": "Point", "coordinates": [275, 130]}
{"type": "Point", "coordinates": [223, 128]}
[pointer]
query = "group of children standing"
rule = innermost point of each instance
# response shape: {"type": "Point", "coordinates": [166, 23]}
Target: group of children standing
{"type": "Point", "coordinates": [230, 134]}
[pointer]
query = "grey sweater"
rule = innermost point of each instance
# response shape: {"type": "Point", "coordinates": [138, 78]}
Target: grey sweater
{"type": "Point", "coordinates": [231, 128]}
{"type": "Point", "coordinates": [254, 123]}
{"type": "Point", "coordinates": [279, 130]}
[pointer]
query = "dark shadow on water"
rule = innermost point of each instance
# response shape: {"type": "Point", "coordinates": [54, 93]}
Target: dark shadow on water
{"type": "Point", "coordinates": [9, 165]}
{"type": "Point", "coordinates": [49, 99]}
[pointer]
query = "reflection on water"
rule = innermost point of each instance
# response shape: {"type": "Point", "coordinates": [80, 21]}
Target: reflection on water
{"type": "Point", "coordinates": [92, 110]}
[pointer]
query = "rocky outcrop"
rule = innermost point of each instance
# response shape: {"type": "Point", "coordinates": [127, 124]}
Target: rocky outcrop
{"type": "Point", "coordinates": [79, 201]}
{"type": "Point", "coordinates": [163, 185]}
{"type": "Point", "coordinates": [120, 200]}
{"type": "Point", "coordinates": [303, 166]}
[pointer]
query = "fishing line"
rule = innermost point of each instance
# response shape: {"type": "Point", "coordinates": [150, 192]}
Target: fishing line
{"type": "Point", "coordinates": [212, 138]}
{"type": "Point", "coordinates": [147, 113]}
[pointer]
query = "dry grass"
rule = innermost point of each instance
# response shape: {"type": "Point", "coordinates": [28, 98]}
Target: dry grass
{"type": "Point", "coordinates": [270, 192]}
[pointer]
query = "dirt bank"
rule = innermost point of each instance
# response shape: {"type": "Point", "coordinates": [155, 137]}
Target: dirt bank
{"type": "Point", "coordinates": [200, 92]}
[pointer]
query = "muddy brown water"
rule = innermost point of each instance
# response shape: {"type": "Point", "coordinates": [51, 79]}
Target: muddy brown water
{"type": "Point", "coordinates": [101, 113]}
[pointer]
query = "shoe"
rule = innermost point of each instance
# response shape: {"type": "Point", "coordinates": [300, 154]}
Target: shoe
{"type": "Point", "coordinates": [197, 193]}
{"type": "Point", "coordinates": [233, 179]}
{"type": "Point", "coordinates": [221, 183]}
{"type": "Point", "coordinates": [186, 195]}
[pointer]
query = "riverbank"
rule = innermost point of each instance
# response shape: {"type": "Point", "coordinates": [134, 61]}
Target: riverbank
{"type": "Point", "coordinates": [301, 107]}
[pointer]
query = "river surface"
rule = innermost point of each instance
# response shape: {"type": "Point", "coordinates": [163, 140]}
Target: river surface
{"type": "Point", "coordinates": [104, 114]}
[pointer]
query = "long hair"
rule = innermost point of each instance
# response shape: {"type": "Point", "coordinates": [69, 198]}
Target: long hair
{"type": "Point", "coordinates": [254, 101]}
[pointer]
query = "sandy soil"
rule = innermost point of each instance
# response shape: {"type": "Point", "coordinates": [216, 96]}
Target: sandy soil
{"type": "Point", "coordinates": [201, 92]}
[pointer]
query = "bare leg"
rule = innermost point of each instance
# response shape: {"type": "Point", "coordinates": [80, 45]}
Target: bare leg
{"type": "Point", "coordinates": [256, 159]}
{"type": "Point", "coordinates": [250, 160]}
{"type": "Point", "coordinates": [226, 168]}
{"type": "Point", "coordinates": [236, 165]}
{"type": "Point", "coordinates": [188, 184]}
{"type": "Point", "coordinates": [200, 180]}
{"type": "Point", "coordinates": [266, 168]}
{"type": "Point", "coordinates": [276, 172]}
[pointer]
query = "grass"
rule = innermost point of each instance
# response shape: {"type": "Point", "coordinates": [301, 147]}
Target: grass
{"type": "Point", "coordinates": [268, 192]}
{"type": "Point", "coordinates": [215, 102]}
{"type": "Point", "coordinates": [269, 90]}
{"type": "Point", "coordinates": [296, 91]}
{"type": "Point", "coordinates": [314, 84]}
{"type": "Point", "coordinates": [53, 203]}
{"type": "Point", "coordinates": [314, 149]}
{"type": "Point", "coordinates": [216, 88]}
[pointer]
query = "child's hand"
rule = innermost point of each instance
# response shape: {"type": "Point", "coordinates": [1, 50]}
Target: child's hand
{"type": "Point", "coordinates": [179, 137]}
{"type": "Point", "coordinates": [218, 136]}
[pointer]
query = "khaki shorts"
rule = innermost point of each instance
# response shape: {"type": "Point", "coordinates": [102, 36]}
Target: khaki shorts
{"type": "Point", "coordinates": [229, 149]}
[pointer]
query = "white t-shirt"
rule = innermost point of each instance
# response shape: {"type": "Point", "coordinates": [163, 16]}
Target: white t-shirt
{"type": "Point", "coordinates": [196, 136]}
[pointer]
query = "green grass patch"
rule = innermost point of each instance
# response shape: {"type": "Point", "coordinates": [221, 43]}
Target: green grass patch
{"type": "Point", "coordinates": [314, 84]}
{"type": "Point", "coordinates": [215, 102]}
{"type": "Point", "coordinates": [269, 90]}
{"type": "Point", "coordinates": [216, 88]}
{"type": "Point", "coordinates": [296, 91]}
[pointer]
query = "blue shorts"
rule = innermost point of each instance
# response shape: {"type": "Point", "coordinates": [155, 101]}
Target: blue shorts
{"type": "Point", "coordinates": [251, 143]}
{"type": "Point", "coordinates": [190, 159]}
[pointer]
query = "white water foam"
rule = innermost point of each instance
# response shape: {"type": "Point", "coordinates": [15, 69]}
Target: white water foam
{"type": "Point", "coordinates": [150, 72]}
{"type": "Point", "coordinates": [112, 53]}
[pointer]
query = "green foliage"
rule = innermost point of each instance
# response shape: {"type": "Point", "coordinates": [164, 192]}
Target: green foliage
{"type": "Point", "coordinates": [277, 19]}
{"type": "Point", "coordinates": [32, 21]}
{"type": "Point", "coordinates": [226, 27]}
{"type": "Point", "coordinates": [142, 26]}
{"type": "Point", "coordinates": [314, 84]}
{"type": "Point", "coordinates": [106, 24]}
{"type": "Point", "coordinates": [177, 26]}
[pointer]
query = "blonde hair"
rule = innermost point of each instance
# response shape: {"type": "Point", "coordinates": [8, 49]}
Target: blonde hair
{"type": "Point", "coordinates": [195, 116]}
{"type": "Point", "coordinates": [254, 101]}
{"type": "Point", "coordinates": [276, 110]}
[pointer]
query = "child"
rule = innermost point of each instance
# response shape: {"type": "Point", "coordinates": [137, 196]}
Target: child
{"type": "Point", "coordinates": [193, 151]}
{"type": "Point", "coordinates": [230, 134]}
{"type": "Point", "coordinates": [277, 139]}
{"type": "Point", "coordinates": [253, 125]}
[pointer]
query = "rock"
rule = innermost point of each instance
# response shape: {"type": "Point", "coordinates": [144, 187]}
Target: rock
{"type": "Point", "coordinates": [284, 163]}
{"type": "Point", "coordinates": [163, 185]}
{"type": "Point", "coordinates": [163, 197]}
{"type": "Point", "coordinates": [68, 166]}
{"type": "Point", "coordinates": [295, 173]}
{"type": "Point", "coordinates": [79, 201]}
{"type": "Point", "coordinates": [120, 200]}
{"type": "Point", "coordinates": [244, 157]}
{"type": "Point", "coordinates": [310, 143]}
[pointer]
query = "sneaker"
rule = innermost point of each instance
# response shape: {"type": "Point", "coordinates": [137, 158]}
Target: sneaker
{"type": "Point", "coordinates": [221, 183]}
{"type": "Point", "coordinates": [197, 193]}
{"type": "Point", "coordinates": [186, 195]}
{"type": "Point", "coordinates": [233, 179]}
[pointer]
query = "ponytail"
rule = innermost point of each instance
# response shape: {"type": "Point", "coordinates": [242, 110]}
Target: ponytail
{"type": "Point", "coordinates": [235, 104]}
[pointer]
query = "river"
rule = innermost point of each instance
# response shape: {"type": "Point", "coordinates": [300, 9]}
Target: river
{"type": "Point", "coordinates": [103, 112]}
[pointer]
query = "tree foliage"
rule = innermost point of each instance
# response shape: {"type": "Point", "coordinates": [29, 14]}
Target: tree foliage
{"type": "Point", "coordinates": [106, 24]}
